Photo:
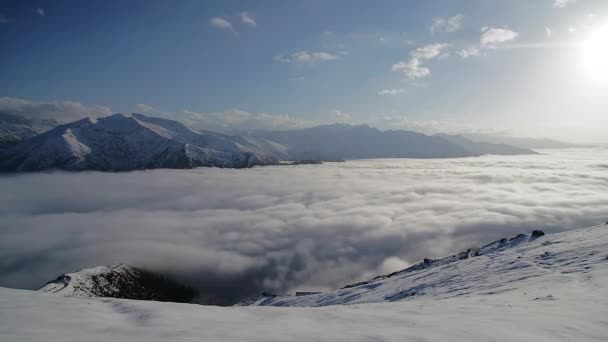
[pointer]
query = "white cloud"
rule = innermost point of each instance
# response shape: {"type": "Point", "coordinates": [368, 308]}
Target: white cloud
{"type": "Point", "coordinates": [307, 57]}
{"type": "Point", "coordinates": [40, 12]}
{"type": "Point", "coordinates": [221, 24]}
{"type": "Point", "coordinates": [247, 19]}
{"type": "Point", "coordinates": [236, 119]}
{"type": "Point", "coordinates": [452, 24]}
{"type": "Point", "coordinates": [391, 91]}
{"type": "Point", "coordinates": [283, 228]}
{"type": "Point", "coordinates": [562, 3]}
{"type": "Point", "coordinates": [491, 36]}
{"type": "Point", "coordinates": [339, 116]}
{"type": "Point", "coordinates": [548, 32]}
{"type": "Point", "coordinates": [62, 111]}
{"type": "Point", "coordinates": [469, 52]}
{"type": "Point", "coordinates": [144, 108]}
{"type": "Point", "coordinates": [413, 68]}
{"type": "Point", "coordinates": [429, 51]}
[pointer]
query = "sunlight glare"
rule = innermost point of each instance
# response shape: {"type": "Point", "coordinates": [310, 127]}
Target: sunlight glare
{"type": "Point", "coordinates": [595, 54]}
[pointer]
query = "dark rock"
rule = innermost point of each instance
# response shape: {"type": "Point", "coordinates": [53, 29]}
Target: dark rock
{"type": "Point", "coordinates": [537, 233]}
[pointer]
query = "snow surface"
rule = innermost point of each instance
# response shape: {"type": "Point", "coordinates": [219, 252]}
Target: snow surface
{"type": "Point", "coordinates": [556, 291]}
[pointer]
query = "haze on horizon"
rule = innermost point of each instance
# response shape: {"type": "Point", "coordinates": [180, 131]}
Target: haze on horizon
{"type": "Point", "coordinates": [526, 68]}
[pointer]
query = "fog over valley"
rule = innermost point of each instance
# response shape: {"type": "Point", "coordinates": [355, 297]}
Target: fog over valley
{"type": "Point", "coordinates": [234, 233]}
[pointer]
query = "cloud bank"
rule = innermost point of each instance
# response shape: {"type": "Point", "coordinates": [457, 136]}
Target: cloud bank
{"type": "Point", "coordinates": [62, 111]}
{"type": "Point", "coordinates": [234, 233]}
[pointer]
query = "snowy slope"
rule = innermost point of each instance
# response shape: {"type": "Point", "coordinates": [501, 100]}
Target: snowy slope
{"type": "Point", "coordinates": [129, 142]}
{"type": "Point", "coordinates": [496, 267]}
{"type": "Point", "coordinates": [550, 289]}
{"type": "Point", "coordinates": [120, 281]}
{"type": "Point", "coordinates": [556, 291]}
{"type": "Point", "coordinates": [524, 264]}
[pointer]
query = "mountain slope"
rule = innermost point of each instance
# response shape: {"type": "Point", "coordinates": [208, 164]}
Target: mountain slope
{"type": "Point", "coordinates": [482, 148]}
{"type": "Point", "coordinates": [120, 281]}
{"type": "Point", "coordinates": [550, 289]}
{"type": "Point", "coordinates": [343, 141]}
{"type": "Point", "coordinates": [14, 128]}
{"type": "Point", "coordinates": [522, 265]}
{"type": "Point", "coordinates": [129, 142]}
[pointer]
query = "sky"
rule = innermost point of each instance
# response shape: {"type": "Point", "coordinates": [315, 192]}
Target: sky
{"type": "Point", "coordinates": [520, 67]}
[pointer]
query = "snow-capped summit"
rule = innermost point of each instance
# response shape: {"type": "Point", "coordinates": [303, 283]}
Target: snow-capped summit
{"type": "Point", "coordinates": [119, 281]}
{"type": "Point", "coordinates": [129, 142]}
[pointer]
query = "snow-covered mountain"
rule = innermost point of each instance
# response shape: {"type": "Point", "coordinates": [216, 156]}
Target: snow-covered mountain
{"type": "Point", "coordinates": [120, 281]}
{"type": "Point", "coordinates": [14, 128]}
{"type": "Point", "coordinates": [529, 288]}
{"type": "Point", "coordinates": [130, 142]}
{"type": "Point", "coordinates": [343, 141]}
{"type": "Point", "coordinates": [481, 147]}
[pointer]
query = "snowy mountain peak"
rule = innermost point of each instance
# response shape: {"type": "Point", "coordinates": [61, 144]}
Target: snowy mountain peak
{"type": "Point", "coordinates": [122, 142]}
{"type": "Point", "coordinates": [119, 281]}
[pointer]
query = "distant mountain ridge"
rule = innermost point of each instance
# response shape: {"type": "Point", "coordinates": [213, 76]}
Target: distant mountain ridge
{"type": "Point", "coordinates": [129, 142]}
{"type": "Point", "coordinates": [344, 141]}
{"type": "Point", "coordinates": [15, 129]}
{"type": "Point", "coordinates": [122, 142]}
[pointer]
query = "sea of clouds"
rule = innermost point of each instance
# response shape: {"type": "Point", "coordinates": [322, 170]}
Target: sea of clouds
{"type": "Point", "coordinates": [236, 233]}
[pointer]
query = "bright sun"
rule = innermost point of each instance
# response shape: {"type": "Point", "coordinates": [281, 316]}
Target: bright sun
{"type": "Point", "coordinates": [595, 54]}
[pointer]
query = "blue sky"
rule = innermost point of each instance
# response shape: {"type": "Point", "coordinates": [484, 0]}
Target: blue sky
{"type": "Point", "coordinates": [424, 65]}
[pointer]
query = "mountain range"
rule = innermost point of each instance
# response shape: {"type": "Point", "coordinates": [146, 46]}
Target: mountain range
{"type": "Point", "coordinates": [129, 142]}
{"type": "Point", "coordinates": [133, 142]}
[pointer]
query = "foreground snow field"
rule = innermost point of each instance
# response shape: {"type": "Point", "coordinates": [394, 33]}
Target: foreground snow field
{"type": "Point", "coordinates": [551, 289]}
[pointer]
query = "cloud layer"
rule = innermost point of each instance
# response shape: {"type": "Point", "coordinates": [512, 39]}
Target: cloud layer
{"type": "Point", "coordinates": [63, 111]}
{"type": "Point", "coordinates": [235, 233]}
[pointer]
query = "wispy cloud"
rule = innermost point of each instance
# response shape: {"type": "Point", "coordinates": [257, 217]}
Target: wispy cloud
{"type": "Point", "coordinates": [452, 24]}
{"type": "Point", "coordinates": [247, 19]}
{"type": "Point", "coordinates": [491, 36]}
{"type": "Point", "coordinates": [562, 3]}
{"type": "Point", "coordinates": [391, 91]}
{"type": "Point", "coordinates": [339, 116]}
{"type": "Point", "coordinates": [143, 108]}
{"type": "Point", "coordinates": [413, 67]}
{"type": "Point", "coordinates": [63, 111]}
{"type": "Point", "coordinates": [40, 12]}
{"type": "Point", "coordinates": [221, 23]}
{"type": "Point", "coordinates": [307, 57]}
